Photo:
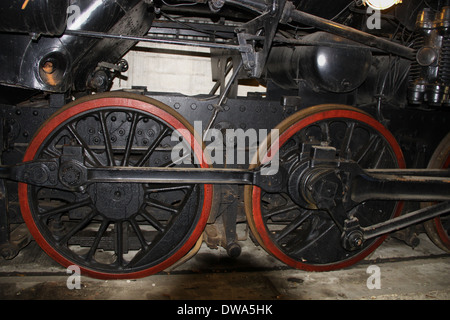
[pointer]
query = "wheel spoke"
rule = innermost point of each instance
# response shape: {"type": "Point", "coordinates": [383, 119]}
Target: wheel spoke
{"type": "Point", "coordinates": [345, 146]}
{"type": "Point", "coordinates": [63, 209]}
{"type": "Point", "coordinates": [130, 140]}
{"type": "Point", "coordinates": [101, 231]}
{"type": "Point", "coordinates": [293, 225]}
{"type": "Point", "coordinates": [152, 147]}
{"type": "Point", "coordinates": [139, 234]}
{"type": "Point", "coordinates": [118, 231]}
{"type": "Point", "coordinates": [379, 156]}
{"type": "Point", "coordinates": [83, 143]}
{"type": "Point", "coordinates": [153, 222]}
{"type": "Point", "coordinates": [79, 226]}
{"type": "Point", "coordinates": [319, 233]}
{"type": "Point", "coordinates": [107, 138]}
{"type": "Point", "coordinates": [281, 210]}
{"type": "Point", "coordinates": [366, 148]}
{"type": "Point", "coordinates": [161, 205]}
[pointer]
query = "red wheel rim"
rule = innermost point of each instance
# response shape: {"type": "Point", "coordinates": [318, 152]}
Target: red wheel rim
{"type": "Point", "coordinates": [442, 233]}
{"type": "Point", "coordinates": [284, 137]}
{"type": "Point", "coordinates": [139, 104]}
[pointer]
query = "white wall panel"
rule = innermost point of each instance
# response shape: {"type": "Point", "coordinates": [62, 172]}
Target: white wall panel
{"type": "Point", "coordinates": [158, 68]}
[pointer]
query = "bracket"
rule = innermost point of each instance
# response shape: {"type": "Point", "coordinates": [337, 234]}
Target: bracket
{"type": "Point", "coordinates": [265, 25]}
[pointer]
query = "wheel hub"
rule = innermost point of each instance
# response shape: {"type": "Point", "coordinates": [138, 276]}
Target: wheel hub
{"type": "Point", "coordinates": [313, 181]}
{"type": "Point", "coordinates": [117, 201]}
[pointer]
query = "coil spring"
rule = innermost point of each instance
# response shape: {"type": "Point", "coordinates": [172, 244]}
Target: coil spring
{"type": "Point", "coordinates": [444, 61]}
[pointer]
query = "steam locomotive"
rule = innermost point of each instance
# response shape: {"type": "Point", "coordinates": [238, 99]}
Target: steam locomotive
{"type": "Point", "coordinates": [348, 143]}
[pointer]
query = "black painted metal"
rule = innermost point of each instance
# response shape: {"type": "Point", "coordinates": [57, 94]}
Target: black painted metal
{"type": "Point", "coordinates": [328, 66]}
{"type": "Point", "coordinates": [84, 60]}
{"type": "Point", "coordinates": [290, 14]}
{"type": "Point", "coordinates": [406, 220]}
{"type": "Point", "coordinates": [350, 33]}
{"type": "Point", "coordinates": [361, 185]}
{"type": "Point", "coordinates": [58, 64]}
{"type": "Point", "coordinates": [47, 17]}
{"type": "Point", "coordinates": [401, 187]}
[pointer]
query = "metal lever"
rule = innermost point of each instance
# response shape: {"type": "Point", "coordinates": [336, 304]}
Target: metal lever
{"type": "Point", "coordinates": [354, 235]}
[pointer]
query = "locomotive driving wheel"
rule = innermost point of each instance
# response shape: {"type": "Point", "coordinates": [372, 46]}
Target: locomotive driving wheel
{"type": "Point", "coordinates": [115, 230]}
{"type": "Point", "coordinates": [438, 229]}
{"type": "Point", "coordinates": [305, 237]}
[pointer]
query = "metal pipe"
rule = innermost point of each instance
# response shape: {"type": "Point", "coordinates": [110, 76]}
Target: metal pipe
{"type": "Point", "coordinates": [103, 35]}
{"type": "Point", "coordinates": [348, 32]}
